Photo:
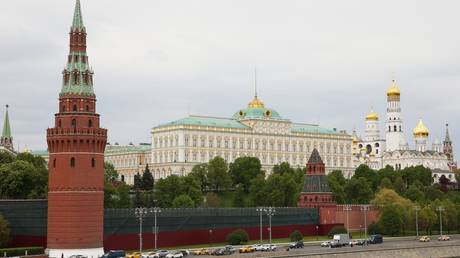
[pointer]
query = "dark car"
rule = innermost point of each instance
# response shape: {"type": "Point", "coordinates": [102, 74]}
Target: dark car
{"type": "Point", "coordinates": [115, 254]}
{"type": "Point", "coordinates": [296, 245]}
{"type": "Point", "coordinates": [218, 251]}
{"type": "Point", "coordinates": [376, 239]}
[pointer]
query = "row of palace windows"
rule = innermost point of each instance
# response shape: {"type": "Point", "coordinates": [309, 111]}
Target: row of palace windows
{"type": "Point", "coordinates": [73, 162]}
{"type": "Point", "coordinates": [74, 123]}
{"type": "Point", "coordinates": [75, 108]}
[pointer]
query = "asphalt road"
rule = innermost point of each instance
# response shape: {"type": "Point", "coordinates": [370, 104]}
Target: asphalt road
{"type": "Point", "coordinates": [311, 249]}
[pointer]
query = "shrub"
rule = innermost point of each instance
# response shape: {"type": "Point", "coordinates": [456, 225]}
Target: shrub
{"type": "Point", "coordinates": [296, 236]}
{"type": "Point", "coordinates": [373, 229]}
{"type": "Point", "coordinates": [237, 237]}
{"type": "Point", "coordinates": [21, 251]}
{"type": "Point", "coordinates": [337, 230]}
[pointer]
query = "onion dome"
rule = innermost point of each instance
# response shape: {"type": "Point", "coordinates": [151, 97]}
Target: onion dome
{"type": "Point", "coordinates": [420, 130]}
{"type": "Point", "coordinates": [393, 90]}
{"type": "Point", "coordinates": [256, 103]}
{"type": "Point", "coordinates": [257, 110]}
{"type": "Point", "coordinates": [372, 116]}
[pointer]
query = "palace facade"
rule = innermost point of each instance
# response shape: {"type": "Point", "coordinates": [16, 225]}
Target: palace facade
{"type": "Point", "coordinates": [254, 131]}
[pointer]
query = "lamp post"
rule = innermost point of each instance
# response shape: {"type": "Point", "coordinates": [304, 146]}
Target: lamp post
{"type": "Point", "coordinates": [317, 228]}
{"type": "Point", "coordinates": [347, 208]}
{"type": "Point", "coordinates": [270, 212]}
{"type": "Point", "coordinates": [416, 209]}
{"type": "Point", "coordinates": [140, 212]}
{"type": "Point", "coordinates": [260, 210]}
{"type": "Point", "coordinates": [440, 209]}
{"type": "Point", "coordinates": [365, 208]}
{"type": "Point", "coordinates": [155, 211]}
{"type": "Point", "coordinates": [210, 236]}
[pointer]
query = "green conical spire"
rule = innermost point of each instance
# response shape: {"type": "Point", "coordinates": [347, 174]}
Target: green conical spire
{"type": "Point", "coordinates": [6, 133]}
{"type": "Point", "coordinates": [77, 23]}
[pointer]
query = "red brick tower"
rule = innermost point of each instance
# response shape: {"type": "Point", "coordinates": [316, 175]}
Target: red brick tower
{"type": "Point", "coordinates": [76, 147]}
{"type": "Point", "coordinates": [315, 192]}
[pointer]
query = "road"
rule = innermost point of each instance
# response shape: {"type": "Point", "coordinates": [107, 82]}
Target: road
{"type": "Point", "coordinates": [313, 249]}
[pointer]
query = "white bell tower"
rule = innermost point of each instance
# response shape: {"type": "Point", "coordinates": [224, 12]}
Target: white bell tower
{"type": "Point", "coordinates": [394, 124]}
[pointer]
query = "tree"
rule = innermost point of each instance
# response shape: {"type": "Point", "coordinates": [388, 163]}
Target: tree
{"type": "Point", "coordinates": [200, 172]}
{"type": "Point", "coordinates": [387, 197]}
{"type": "Point", "coordinates": [243, 169]}
{"type": "Point", "coordinates": [369, 174]}
{"type": "Point", "coordinates": [283, 168]}
{"type": "Point", "coordinates": [386, 183]}
{"type": "Point", "coordinates": [183, 201]}
{"type": "Point", "coordinates": [337, 230]}
{"type": "Point", "coordinates": [218, 176]}
{"type": "Point", "coordinates": [238, 199]}
{"type": "Point", "coordinates": [257, 193]}
{"type": "Point", "coordinates": [296, 236]}
{"type": "Point", "coordinates": [22, 180]}
{"type": "Point", "coordinates": [419, 173]}
{"type": "Point", "coordinates": [281, 190]}
{"type": "Point", "coordinates": [5, 158]}
{"type": "Point", "coordinates": [427, 218]}
{"type": "Point", "coordinates": [399, 185]}
{"type": "Point", "coordinates": [110, 174]}
{"type": "Point", "coordinates": [391, 220]}
{"type": "Point", "coordinates": [336, 182]}
{"type": "Point", "coordinates": [358, 190]}
{"type": "Point", "coordinates": [191, 187]}
{"type": "Point", "coordinates": [124, 201]}
{"type": "Point", "coordinates": [212, 200]}
{"type": "Point", "coordinates": [4, 232]}
{"type": "Point", "coordinates": [166, 189]}
{"type": "Point", "coordinates": [147, 179]}
{"type": "Point", "coordinates": [388, 172]}
{"type": "Point", "coordinates": [137, 181]}
{"type": "Point", "coordinates": [413, 193]}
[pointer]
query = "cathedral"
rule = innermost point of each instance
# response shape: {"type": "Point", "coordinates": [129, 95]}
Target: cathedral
{"type": "Point", "coordinates": [378, 152]}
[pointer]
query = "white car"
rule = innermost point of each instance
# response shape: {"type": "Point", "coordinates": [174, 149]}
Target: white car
{"type": "Point", "coordinates": [326, 244]}
{"type": "Point", "coordinates": [353, 243]}
{"type": "Point", "coordinates": [258, 247]}
{"type": "Point", "coordinates": [175, 255]}
{"type": "Point", "coordinates": [268, 247]}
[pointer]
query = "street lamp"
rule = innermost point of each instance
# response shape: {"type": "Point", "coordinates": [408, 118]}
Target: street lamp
{"type": "Point", "coordinates": [416, 209]}
{"type": "Point", "coordinates": [140, 213]}
{"type": "Point", "coordinates": [210, 236]}
{"type": "Point", "coordinates": [260, 210]}
{"type": "Point", "coordinates": [347, 208]}
{"type": "Point", "coordinates": [155, 210]}
{"type": "Point", "coordinates": [317, 228]}
{"type": "Point", "coordinates": [440, 209]}
{"type": "Point", "coordinates": [365, 208]}
{"type": "Point", "coordinates": [270, 212]}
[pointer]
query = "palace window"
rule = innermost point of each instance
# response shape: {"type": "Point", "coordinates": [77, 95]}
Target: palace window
{"type": "Point", "coordinates": [72, 162]}
{"type": "Point", "coordinates": [74, 123]}
{"type": "Point", "coordinates": [90, 123]}
{"type": "Point", "coordinates": [54, 163]}
{"type": "Point", "coordinates": [93, 162]}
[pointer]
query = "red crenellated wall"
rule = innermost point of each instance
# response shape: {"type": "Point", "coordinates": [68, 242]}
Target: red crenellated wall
{"type": "Point", "coordinates": [356, 217]}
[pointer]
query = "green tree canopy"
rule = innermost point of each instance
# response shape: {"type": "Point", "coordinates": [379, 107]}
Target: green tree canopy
{"type": "Point", "coordinates": [369, 174]}
{"type": "Point", "coordinates": [391, 219]}
{"type": "Point", "coordinates": [110, 173]}
{"type": "Point", "coordinates": [183, 201]}
{"type": "Point", "coordinates": [218, 176]}
{"type": "Point", "coordinates": [386, 183]}
{"type": "Point", "coordinates": [200, 172]}
{"type": "Point", "coordinates": [22, 180]}
{"type": "Point", "coordinates": [336, 182]}
{"type": "Point", "coordinates": [4, 232]}
{"type": "Point", "coordinates": [358, 190]}
{"type": "Point", "coordinates": [147, 179]}
{"type": "Point", "coordinates": [243, 170]}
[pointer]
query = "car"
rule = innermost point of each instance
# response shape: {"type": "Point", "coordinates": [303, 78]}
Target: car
{"type": "Point", "coordinates": [175, 255]}
{"type": "Point", "coordinates": [78, 256]}
{"type": "Point", "coordinates": [353, 243]}
{"type": "Point", "coordinates": [201, 251]}
{"type": "Point", "coordinates": [363, 242]}
{"type": "Point", "coordinates": [376, 239]}
{"type": "Point", "coordinates": [424, 239]}
{"type": "Point", "coordinates": [161, 254]}
{"type": "Point", "coordinates": [295, 245]}
{"type": "Point", "coordinates": [268, 247]}
{"type": "Point", "coordinates": [258, 247]}
{"type": "Point", "coordinates": [185, 252]}
{"type": "Point", "coordinates": [326, 244]}
{"type": "Point", "coordinates": [230, 249]}
{"type": "Point", "coordinates": [134, 255]}
{"type": "Point", "coordinates": [114, 254]}
{"type": "Point", "coordinates": [246, 249]}
{"type": "Point", "coordinates": [444, 238]}
{"type": "Point", "coordinates": [149, 255]}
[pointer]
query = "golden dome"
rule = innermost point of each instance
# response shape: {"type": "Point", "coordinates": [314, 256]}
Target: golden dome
{"type": "Point", "coordinates": [256, 103]}
{"type": "Point", "coordinates": [372, 116]}
{"type": "Point", "coordinates": [393, 90]}
{"type": "Point", "coordinates": [420, 130]}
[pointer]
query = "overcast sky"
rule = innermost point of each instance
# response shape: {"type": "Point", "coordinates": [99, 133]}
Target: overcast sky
{"type": "Point", "coordinates": [323, 62]}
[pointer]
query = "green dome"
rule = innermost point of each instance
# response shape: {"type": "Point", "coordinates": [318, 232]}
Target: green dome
{"type": "Point", "coordinates": [257, 113]}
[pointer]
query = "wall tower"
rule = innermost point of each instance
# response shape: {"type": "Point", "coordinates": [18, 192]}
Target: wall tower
{"type": "Point", "coordinates": [449, 150]}
{"type": "Point", "coordinates": [76, 147]}
{"type": "Point", "coordinates": [6, 140]}
{"type": "Point", "coordinates": [394, 125]}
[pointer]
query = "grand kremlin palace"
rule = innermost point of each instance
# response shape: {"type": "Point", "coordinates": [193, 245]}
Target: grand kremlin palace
{"type": "Point", "coordinates": [255, 131]}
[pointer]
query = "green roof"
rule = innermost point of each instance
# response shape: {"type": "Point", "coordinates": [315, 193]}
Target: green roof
{"type": "Point", "coordinates": [77, 23]}
{"type": "Point", "coordinates": [315, 184]}
{"type": "Point", "coordinates": [207, 121]}
{"type": "Point", "coordinates": [257, 113]}
{"type": "Point", "coordinates": [41, 153]}
{"type": "Point", "coordinates": [6, 133]}
{"type": "Point", "coordinates": [115, 149]}
{"type": "Point", "coordinates": [309, 128]}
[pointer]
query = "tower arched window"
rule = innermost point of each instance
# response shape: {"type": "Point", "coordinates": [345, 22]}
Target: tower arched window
{"type": "Point", "coordinates": [54, 163]}
{"type": "Point", "coordinates": [93, 162]}
{"type": "Point", "coordinates": [90, 123]}
{"type": "Point", "coordinates": [87, 108]}
{"type": "Point", "coordinates": [395, 128]}
{"type": "Point", "coordinates": [74, 108]}
{"type": "Point", "coordinates": [59, 123]}
{"type": "Point", "coordinates": [74, 123]}
{"type": "Point", "coordinates": [389, 128]}
{"type": "Point", "coordinates": [63, 108]}
{"type": "Point", "coordinates": [72, 162]}
{"type": "Point", "coordinates": [400, 128]}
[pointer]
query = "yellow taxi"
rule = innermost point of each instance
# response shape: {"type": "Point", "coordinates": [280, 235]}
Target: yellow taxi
{"type": "Point", "coordinates": [424, 239]}
{"type": "Point", "coordinates": [247, 249]}
{"type": "Point", "coordinates": [134, 255]}
{"type": "Point", "coordinates": [201, 252]}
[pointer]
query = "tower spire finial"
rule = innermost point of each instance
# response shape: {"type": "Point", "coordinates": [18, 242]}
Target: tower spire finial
{"type": "Point", "coordinates": [255, 82]}
{"type": "Point", "coordinates": [77, 23]}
